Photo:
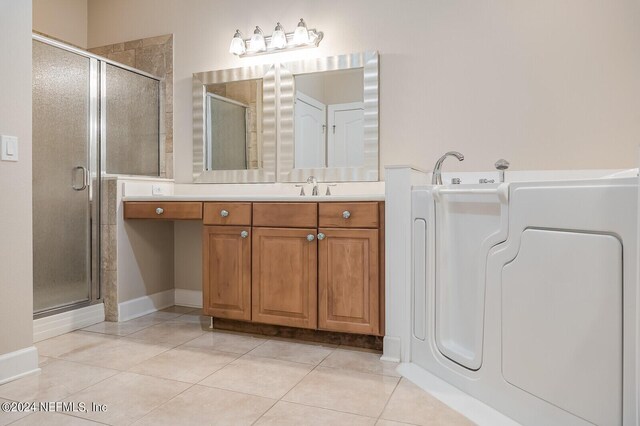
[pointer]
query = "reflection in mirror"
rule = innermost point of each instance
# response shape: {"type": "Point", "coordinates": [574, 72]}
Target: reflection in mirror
{"type": "Point", "coordinates": [329, 119]}
{"type": "Point", "coordinates": [233, 125]}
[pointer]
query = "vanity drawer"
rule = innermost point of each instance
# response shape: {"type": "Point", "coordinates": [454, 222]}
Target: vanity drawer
{"type": "Point", "coordinates": [349, 215]}
{"type": "Point", "coordinates": [285, 215]}
{"type": "Point", "coordinates": [180, 210]}
{"type": "Point", "coordinates": [227, 214]}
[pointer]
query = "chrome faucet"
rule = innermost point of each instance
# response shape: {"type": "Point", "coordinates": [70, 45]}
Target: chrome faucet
{"type": "Point", "coordinates": [502, 165]}
{"type": "Point", "coordinates": [314, 181]}
{"type": "Point", "coordinates": [437, 170]}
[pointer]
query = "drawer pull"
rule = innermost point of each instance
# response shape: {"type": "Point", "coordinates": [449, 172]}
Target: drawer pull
{"type": "Point", "coordinates": [346, 214]}
{"type": "Point", "coordinates": [224, 213]}
{"type": "Point", "coordinates": [321, 236]}
{"type": "Point", "coordinates": [244, 234]}
{"type": "Point", "coordinates": [159, 210]}
{"type": "Point", "coordinates": [311, 237]}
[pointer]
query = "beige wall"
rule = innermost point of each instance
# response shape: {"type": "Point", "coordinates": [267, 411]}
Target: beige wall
{"type": "Point", "coordinates": [188, 255]}
{"type": "Point", "coordinates": [145, 258]}
{"type": "Point", "coordinates": [332, 87]}
{"type": "Point", "coordinates": [63, 19]}
{"type": "Point", "coordinates": [545, 84]}
{"type": "Point", "coordinates": [16, 278]}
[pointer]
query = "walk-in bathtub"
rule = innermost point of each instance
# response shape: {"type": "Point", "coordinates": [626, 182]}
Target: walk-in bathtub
{"type": "Point", "coordinates": [522, 294]}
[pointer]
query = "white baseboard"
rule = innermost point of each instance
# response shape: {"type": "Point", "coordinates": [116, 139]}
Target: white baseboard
{"type": "Point", "coordinates": [476, 411]}
{"type": "Point", "coordinates": [190, 298]}
{"type": "Point", "coordinates": [18, 364]}
{"type": "Point", "coordinates": [145, 305]}
{"type": "Point", "coordinates": [55, 325]}
{"type": "Point", "coordinates": [391, 349]}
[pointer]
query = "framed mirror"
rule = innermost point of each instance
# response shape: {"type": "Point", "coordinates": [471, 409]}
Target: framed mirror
{"type": "Point", "coordinates": [234, 125]}
{"type": "Point", "coordinates": [328, 111]}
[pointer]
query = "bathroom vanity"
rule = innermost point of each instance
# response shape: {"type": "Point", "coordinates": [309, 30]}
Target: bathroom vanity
{"type": "Point", "coordinates": [313, 265]}
{"type": "Point", "coordinates": [313, 262]}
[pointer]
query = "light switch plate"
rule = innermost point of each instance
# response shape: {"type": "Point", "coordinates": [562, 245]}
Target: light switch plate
{"type": "Point", "coordinates": [8, 148]}
{"type": "Point", "coordinates": [157, 190]}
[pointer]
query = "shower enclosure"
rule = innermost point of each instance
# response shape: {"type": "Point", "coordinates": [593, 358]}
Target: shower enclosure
{"type": "Point", "coordinates": [91, 116]}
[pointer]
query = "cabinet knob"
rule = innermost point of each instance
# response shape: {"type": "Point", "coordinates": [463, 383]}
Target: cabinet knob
{"type": "Point", "coordinates": [321, 236]}
{"type": "Point", "coordinates": [346, 214]}
{"type": "Point", "coordinates": [224, 213]}
{"type": "Point", "coordinates": [311, 237]}
{"type": "Point", "coordinates": [244, 234]}
{"type": "Point", "coordinates": [159, 210]}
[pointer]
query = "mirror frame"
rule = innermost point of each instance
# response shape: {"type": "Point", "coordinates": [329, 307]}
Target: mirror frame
{"type": "Point", "coordinates": [287, 172]}
{"type": "Point", "coordinates": [267, 173]}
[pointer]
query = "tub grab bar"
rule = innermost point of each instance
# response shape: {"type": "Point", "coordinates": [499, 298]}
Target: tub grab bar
{"type": "Point", "coordinates": [502, 192]}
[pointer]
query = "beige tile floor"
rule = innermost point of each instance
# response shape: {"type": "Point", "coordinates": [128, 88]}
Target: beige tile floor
{"type": "Point", "coordinates": [167, 369]}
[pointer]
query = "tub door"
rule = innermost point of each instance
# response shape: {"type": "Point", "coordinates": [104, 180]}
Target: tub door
{"type": "Point", "coordinates": [468, 223]}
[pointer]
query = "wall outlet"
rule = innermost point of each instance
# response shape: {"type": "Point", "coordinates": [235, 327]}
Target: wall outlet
{"type": "Point", "coordinates": [157, 190]}
{"type": "Point", "coordinates": [8, 148]}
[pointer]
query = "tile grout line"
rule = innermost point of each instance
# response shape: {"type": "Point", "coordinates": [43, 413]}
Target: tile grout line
{"type": "Point", "coordinates": [294, 386]}
{"type": "Point", "coordinates": [329, 409]}
{"type": "Point", "coordinates": [162, 404]}
{"type": "Point", "coordinates": [389, 399]}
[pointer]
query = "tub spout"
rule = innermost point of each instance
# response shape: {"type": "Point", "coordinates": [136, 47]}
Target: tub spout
{"type": "Point", "coordinates": [437, 170]}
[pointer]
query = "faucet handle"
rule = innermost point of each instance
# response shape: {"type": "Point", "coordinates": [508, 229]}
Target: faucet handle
{"type": "Point", "coordinates": [301, 186]}
{"type": "Point", "coordinates": [502, 164]}
{"type": "Point", "coordinates": [329, 185]}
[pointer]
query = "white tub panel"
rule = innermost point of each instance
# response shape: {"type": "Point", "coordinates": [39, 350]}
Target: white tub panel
{"type": "Point", "coordinates": [562, 322]}
{"type": "Point", "coordinates": [419, 296]}
{"type": "Point", "coordinates": [467, 226]}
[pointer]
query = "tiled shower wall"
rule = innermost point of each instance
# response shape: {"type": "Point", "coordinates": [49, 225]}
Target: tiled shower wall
{"type": "Point", "coordinates": [153, 55]}
{"type": "Point", "coordinates": [109, 249]}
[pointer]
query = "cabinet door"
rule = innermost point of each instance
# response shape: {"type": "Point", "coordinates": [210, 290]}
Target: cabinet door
{"type": "Point", "coordinates": [284, 284]}
{"type": "Point", "coordinates": [227, 272]}
{"type": "Point", "coordinates": [348, 280]}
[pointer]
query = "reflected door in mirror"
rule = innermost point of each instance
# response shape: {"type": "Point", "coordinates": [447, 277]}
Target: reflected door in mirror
{"type": "Point", "coordinates": [329, 119]}
{"type": "Point", "coordinates": [310, 127]}
{"type": "Point", "coordinates": [345, 143]}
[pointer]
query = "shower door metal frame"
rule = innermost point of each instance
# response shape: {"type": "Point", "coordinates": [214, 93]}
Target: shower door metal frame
{"type": "Point", "coordinates": [96, 149]}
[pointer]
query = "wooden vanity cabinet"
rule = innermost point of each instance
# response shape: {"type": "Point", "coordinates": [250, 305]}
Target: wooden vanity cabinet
{"type": "Point", "coordinates": [285, 264]}
{"type": "Point", "coordinates": [348, 280]}
{"type": "Point", "coordinates": [284, 279]}
{"type": "Point", "coordinates": [226, 250]}
{"type": "Point", "coordinates": [167, 210]}
{"type": "Point", "coordinates": [296, 264]}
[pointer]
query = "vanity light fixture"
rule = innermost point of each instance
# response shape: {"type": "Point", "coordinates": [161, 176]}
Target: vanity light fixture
{"type": "Point", "coordinates": [301, 34]}
{"type": "Point", "coordinates": [258, 44]}
{"type": "Point", "coordinates": [278, 38]}
{"type": "Point", "coordinates": [237, 46]}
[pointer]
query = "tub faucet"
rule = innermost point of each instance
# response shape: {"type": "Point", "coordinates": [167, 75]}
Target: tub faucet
{"type": "Point", "coordinates": [314, 181]}
{"type": "Point", "coordinates": [502, 165]}
{"type": "Point", "coordinates": [437, 170]}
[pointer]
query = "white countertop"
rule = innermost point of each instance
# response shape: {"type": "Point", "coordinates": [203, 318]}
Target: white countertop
{"type": "Point", "coordinates": [261, 197]}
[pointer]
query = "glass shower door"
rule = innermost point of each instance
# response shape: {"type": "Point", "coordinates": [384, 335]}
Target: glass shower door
{"type": "Point", "coordinates": [64, 176]}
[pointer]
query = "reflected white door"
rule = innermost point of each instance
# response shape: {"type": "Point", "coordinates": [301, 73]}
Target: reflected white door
{"type": "Point", "coordinates": [346, 135]}
{"type": "Point", "coordinates": [310, 125]}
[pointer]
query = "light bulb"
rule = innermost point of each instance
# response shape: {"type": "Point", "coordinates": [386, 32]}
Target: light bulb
{"type": "Point", "coordinates": [257, 43]}
{"type": "Point", "coordinates": [237, 46]}
{"type": "Point", "coordinates": [301, 34]}
{"type": "Point", "coordinates": [278, 38]}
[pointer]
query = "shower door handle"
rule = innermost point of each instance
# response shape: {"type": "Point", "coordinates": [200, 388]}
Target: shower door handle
{"type": "Point", "coordinates": [85, 178]}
